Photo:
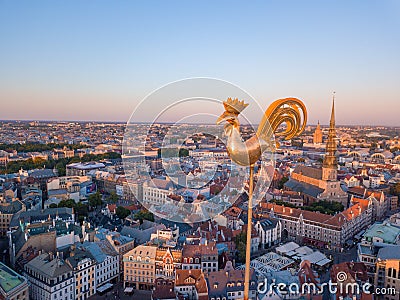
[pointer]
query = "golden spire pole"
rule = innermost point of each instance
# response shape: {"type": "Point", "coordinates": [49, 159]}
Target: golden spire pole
{"type": "Point", "coordinates": [290, 111]}
{"type": "Point", "coordinates": [248, 236]}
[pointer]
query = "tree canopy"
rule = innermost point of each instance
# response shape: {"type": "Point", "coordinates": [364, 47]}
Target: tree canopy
{"type": "Point", "coordinates": [95, 199]}
{"type": "Point", "coordinates": [144, 215]}
{"type": "Point", "coordinates": [122, 212]}
{"type": "Point", "coordinates": [240, 242]}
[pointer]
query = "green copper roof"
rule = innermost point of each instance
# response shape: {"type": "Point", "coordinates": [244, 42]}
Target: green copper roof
{"type": "Point", "coordinates": [9, 279]}
{"type": "Point", "coordinates": [388, 233]}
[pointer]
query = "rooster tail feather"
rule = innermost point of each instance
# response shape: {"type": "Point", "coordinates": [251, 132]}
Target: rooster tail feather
{"type": "Point", "coordinates": [290, 111]}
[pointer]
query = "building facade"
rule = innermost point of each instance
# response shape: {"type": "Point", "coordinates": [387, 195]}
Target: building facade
{"type": "Point", "coordinates": [50, 278]}
{"type": "Point", "coordinates": [269, 231]}
{"type": "Point", "coordinates": [84, 268]}
{"type": "Point", "coordinates": [140, 267]}
{"type": "Point", "coordinates": [204, 257]}
{"type": "Point", "coordinates": [167, 261]}
{"type": "Point", "coordinates": [388, 272]}
{"type": "Point", "coordinates": [318, 229]}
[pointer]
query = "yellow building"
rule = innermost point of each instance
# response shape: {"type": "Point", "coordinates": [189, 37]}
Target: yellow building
{"type": "Point", "coordinates": [140, 267]}
{"type": "Point", "coordinates": [83, 264]}
{"type": "Point", "coordinates": [387, 276]}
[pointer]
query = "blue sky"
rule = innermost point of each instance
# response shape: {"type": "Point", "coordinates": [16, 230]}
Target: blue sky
{"type": "Point", "coordinates": [95, 60]}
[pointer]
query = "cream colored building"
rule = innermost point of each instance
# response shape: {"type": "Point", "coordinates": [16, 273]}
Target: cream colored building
{"type": "Point", "coordinates": [140, 267]}
{"type": "Point", "coordinates": [156, 191]}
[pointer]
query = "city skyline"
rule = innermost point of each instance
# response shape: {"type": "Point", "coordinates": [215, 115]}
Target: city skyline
{"type": "Point", "coordinates": [79, 61]}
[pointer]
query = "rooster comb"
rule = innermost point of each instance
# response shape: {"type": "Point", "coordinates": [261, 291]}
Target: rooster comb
{"type": "Point", "coordinates": [234, 106]}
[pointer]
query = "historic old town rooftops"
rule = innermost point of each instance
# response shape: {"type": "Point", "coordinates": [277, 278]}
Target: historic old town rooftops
{"type": "Point", "coordinates": [49, 266]}
{"type": "Point", "coordinates": [35, 216]}
{"type": "Point", "coordinates": [199, 250]}
{"type": "Point", "coordinates": [337, 220]}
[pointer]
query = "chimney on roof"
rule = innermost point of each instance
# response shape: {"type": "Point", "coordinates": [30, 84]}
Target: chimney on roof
{"type": "Point", "coordinates": [72, 250]}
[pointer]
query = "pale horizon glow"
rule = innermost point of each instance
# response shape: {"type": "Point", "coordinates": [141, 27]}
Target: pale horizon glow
{"type": "Point", "coordinates": [95, 61]}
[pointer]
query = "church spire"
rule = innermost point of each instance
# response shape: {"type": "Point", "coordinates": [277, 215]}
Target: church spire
{"type": "Point", "coordinates": [332, 122]}
{"type": "Point", "coordinates": [330, 155]}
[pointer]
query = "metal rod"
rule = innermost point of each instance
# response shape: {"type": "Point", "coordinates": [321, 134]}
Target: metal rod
{"type": "Point", "coordinates": [248, 235]}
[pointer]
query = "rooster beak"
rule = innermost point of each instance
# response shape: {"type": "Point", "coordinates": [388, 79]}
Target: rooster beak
{"type": "Point", "coordinates": [226, 115]}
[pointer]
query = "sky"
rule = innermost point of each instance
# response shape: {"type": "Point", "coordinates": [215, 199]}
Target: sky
{"type": "Point", "coordinates": [96, 60]}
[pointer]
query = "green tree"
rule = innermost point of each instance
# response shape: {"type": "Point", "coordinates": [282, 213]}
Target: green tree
{"type": "Point", "coordinates": [122, 212]}
{"type": "Point", "coordinates": [67, 203]}
{"type": "Point", "coordinates": [81, 209]}
{"type": "Point", "coordinates": [144, 215]}
{"type": "Point", "coordinates": [183, 152]}
{"type": "Point", "coordinates": [172, 152]}
{"type": "Point", "coordinates": [240, 242]}
{"type": "Point", "coordinates": [113, 197]}
{"type": "Point", "coordinates": [282, 182]}
{"type": "Point", "coordinates": [95, 199]}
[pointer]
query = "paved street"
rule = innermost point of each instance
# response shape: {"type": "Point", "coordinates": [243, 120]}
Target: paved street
{"type": "Point", "coordinates": [118, 293]}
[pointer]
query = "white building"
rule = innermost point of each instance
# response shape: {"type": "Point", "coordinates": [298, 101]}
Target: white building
{"type": "Point", "coordinates": [269, 231]}
{"type": "Point", "coordinates": [50, 278]}
{"type": "Point", "coordinates": [167, 234]}
{"type": "Point", "coordinates": [107, 261]}
{"type": "Point", "coordinates": [156, 191]}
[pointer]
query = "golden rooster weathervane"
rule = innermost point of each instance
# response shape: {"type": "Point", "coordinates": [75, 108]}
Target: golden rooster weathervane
{"type": "Point", "coordinates": [289, 111]}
